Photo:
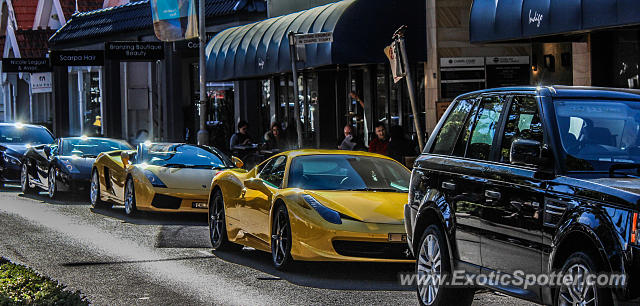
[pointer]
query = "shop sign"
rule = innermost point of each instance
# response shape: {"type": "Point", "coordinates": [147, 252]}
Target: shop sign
{"type": "Point", "coordinates": [40, 82]}
{"type": "Point", "coordinates": [462, 62]}
{"type": "Point", "coordinates": [314, 38]}
{"type": "Point", "coordinates": [77, 57]}
{"type": "Point", "coordinates": [26, 65]}
{"type": "Point", "coordinates": [134, 51]}
{"type": "Point", "coordinates": [506, 71]}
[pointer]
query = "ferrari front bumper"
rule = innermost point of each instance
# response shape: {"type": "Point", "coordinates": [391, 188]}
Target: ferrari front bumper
{"type": "Point", "coordinates": [350, 241]}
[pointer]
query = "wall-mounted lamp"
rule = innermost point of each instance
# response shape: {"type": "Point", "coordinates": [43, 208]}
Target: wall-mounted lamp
{"type": "Point", "coordinates": [534, 63]}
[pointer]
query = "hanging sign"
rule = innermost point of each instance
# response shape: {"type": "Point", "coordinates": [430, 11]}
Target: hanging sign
{"type": "Point", "coordinates": [26, 65]}
{"type": "Point", "coordinates": [134, 51]}
{"type": "Point", "coordinates": [40, 82]}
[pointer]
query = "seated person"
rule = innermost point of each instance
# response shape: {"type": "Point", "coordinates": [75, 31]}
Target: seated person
{"type": "Point", "coordinates": [275, 139]}
{"type": "Point", "coordinates": [241, 138]}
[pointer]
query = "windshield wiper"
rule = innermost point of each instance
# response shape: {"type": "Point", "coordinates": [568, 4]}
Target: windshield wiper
{"type": "Point", "coordinates": [176, 166]}
{"type": "Point", "coordinates": [614, 167]}
{"type": "Point", "coordinates": [376, 189]}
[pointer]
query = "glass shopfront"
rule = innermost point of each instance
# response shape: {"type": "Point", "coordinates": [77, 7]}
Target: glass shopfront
{"type": "Point", "coordinates": [85, 101]}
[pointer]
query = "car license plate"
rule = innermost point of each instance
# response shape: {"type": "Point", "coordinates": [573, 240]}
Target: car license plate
{"type": "Point", "coordinates": [397, 237]}
{"type": "Point", "coordinates": [200, 205]}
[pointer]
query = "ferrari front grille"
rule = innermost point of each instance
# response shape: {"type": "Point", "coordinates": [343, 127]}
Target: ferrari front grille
{"type": "Point", "coordinates": [381, 250]}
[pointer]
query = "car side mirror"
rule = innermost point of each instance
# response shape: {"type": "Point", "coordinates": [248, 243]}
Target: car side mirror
{"type": "Point", "coordinates": [126, 157]}
{"type": "Point", "coordinates": [237, 162]}
{"type": "Point", "coordinates": [47, 151]}
{"type": "Point", "coordinates": [255, 184]}
{"type": "Point", "coordinates": [526, 152]}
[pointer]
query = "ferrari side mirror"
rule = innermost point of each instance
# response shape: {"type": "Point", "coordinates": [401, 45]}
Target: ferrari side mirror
{"type": "Point", "coordinates": [237, 162]}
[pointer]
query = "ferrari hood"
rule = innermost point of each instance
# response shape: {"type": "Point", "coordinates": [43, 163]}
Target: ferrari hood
{"type": "Point", "coordinates": [184, 178]}
{"type": "Point", "coordinates": [366, 206]}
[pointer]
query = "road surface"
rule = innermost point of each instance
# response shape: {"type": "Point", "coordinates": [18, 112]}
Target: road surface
{"type": "Point", "coordinates": [166, 259]}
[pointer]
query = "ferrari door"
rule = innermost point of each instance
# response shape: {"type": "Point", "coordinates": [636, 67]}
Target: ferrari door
{"type": "Point", "coordinates": [259, 196]}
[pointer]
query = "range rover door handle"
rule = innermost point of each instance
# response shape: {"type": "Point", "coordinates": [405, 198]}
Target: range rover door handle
{"type": "Point", "coordinates": [448, 186]}
{"type": "Point", "coordinates": [494, 195]}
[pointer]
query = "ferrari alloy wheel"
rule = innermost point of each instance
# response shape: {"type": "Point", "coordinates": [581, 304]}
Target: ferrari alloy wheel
{"type": "Point", "coordinates": [281, 239]}
{"type": "Point", "coordinates": [580, 292]}
{"type": "Point", "coordinates": [24, 179]}
{"type": "Point", "coordinates": [53, 188]}
{"type": "Point", "coordinates": [432, 266]}
{"type": "Point", "coordinates": [130, 198]}
{"type": "Point", "coordinates": [217, 224]}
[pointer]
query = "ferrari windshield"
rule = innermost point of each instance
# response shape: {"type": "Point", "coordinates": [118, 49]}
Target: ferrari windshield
{"type": "Point", "coordinates": [348, 172]}
{"type": "Point", "coordinates": [182, 156]}
{"type": "Point", "coordinates": [598, 134]}
{"type": "Point", "coordinates": [91, 147]}
{"type": "Point", "coordinates": [24, 135]}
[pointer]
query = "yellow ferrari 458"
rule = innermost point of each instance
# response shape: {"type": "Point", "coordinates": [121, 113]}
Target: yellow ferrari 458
{"type": "Point", "coordinates": [314, 205]}
{"type": "Point", "coordinates": [157, 177]}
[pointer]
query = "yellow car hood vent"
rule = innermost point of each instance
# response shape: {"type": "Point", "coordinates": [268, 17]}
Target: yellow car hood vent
{"type": "Point", "coordinates": [184, 178]}
{"type": "Point", "coordinates": [366, 206]}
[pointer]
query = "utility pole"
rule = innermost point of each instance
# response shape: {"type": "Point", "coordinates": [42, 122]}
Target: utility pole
{"type": "Point", "coordinates": [203, 134]}
{"type": "Point", "coordinates": [296, 94]}
{"type": "Point", "coordinates": [399, 37]}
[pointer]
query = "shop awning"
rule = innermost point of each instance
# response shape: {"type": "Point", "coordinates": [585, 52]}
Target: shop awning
{"type": "Point", "coordinates": [361, 29]}
{"type": "Point", "coordinates": [504, 20]}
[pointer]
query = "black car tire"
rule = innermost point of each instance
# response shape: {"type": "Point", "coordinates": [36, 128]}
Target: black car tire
{"type": "Point", "coordinates": [130, 198]}
{"type": "Point", "coordinates": [441, 266]}
{"type": "Point", "coordinates": [24, 179]}
{"type": "Point", "coordinates": [281, 239]}
{"type": "Point", "coordinates": [595, 295]}
{"type": "Point", "coordinates": [52, 184]}
{"type": "Point", "coordinates": [95, 200]}
{"type": "Point", "coordinates": [218, 224]}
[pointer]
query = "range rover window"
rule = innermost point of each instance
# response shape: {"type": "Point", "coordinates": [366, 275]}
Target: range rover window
{"type": "Point", "coordinates": [451, 128]}
{"type": "Point", "coordinates": [486, 123]}
{"type": "Point", "coordinates": [523, 122]}
{"type": "Point", "coordinates": [598, 134]}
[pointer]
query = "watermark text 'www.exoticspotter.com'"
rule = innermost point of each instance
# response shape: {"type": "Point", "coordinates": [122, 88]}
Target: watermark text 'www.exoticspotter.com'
{"type": "Point", "coordinates": [515, 279]}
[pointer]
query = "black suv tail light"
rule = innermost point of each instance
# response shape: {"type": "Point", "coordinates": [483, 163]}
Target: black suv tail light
{"type": "Point", "coordinates": [635, 236]}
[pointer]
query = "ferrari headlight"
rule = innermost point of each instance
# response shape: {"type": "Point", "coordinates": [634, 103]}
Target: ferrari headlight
{"type": "Point", "coordinates": [154, 179]}
{"type": "Point", "coordinates": [328, 214]}
{"type": "Point", "coordinates": [67, 164]}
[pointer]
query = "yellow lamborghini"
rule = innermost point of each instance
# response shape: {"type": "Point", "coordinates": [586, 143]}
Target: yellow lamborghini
{"type": "Point", "coordinates": [157, 177]}
{"type": "Point", "coordinates": [314, 205]}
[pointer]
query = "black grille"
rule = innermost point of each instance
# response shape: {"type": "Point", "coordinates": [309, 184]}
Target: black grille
{"type": "Point", "coordinates": [382, 250]}
{"type": "Point", "coordinates": [166, 202]}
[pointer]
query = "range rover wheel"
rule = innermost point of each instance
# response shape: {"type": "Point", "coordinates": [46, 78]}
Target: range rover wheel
{"type": "Point", "coordinates": [432, 265]}
{"type": "Point", "coordinates": [580, 292]}
{"type": "Point", "coordinates": [218, 224]}
{"type": "Point", "coordinates": [281, 238]}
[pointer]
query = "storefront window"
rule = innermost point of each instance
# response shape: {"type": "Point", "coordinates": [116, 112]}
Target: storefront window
{"type": "Point", "coordinates": [382, 108]}
{"type": "Point", "coordinates": [220, 114]}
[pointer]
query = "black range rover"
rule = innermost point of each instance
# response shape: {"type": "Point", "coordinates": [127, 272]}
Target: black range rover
{"type": "Point", "coordinates": [529, 181]}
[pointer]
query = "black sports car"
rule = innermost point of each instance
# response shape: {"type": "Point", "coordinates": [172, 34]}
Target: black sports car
{"type": "Point", "coordinates": [64, 165]}
{"type": "Point", "coordinates": [15, 139]}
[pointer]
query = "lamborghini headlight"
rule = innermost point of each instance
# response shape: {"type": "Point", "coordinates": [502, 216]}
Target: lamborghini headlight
{"type": "Point", "coordinates": [327, 213]}
{"type": "Point", "coordinates": [11, 160]}
{"type": "Point", "coordinates": [154, 179]}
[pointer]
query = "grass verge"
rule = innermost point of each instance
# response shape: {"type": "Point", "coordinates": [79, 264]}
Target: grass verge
{"type": "Point", "coordinates": [20, 285]}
